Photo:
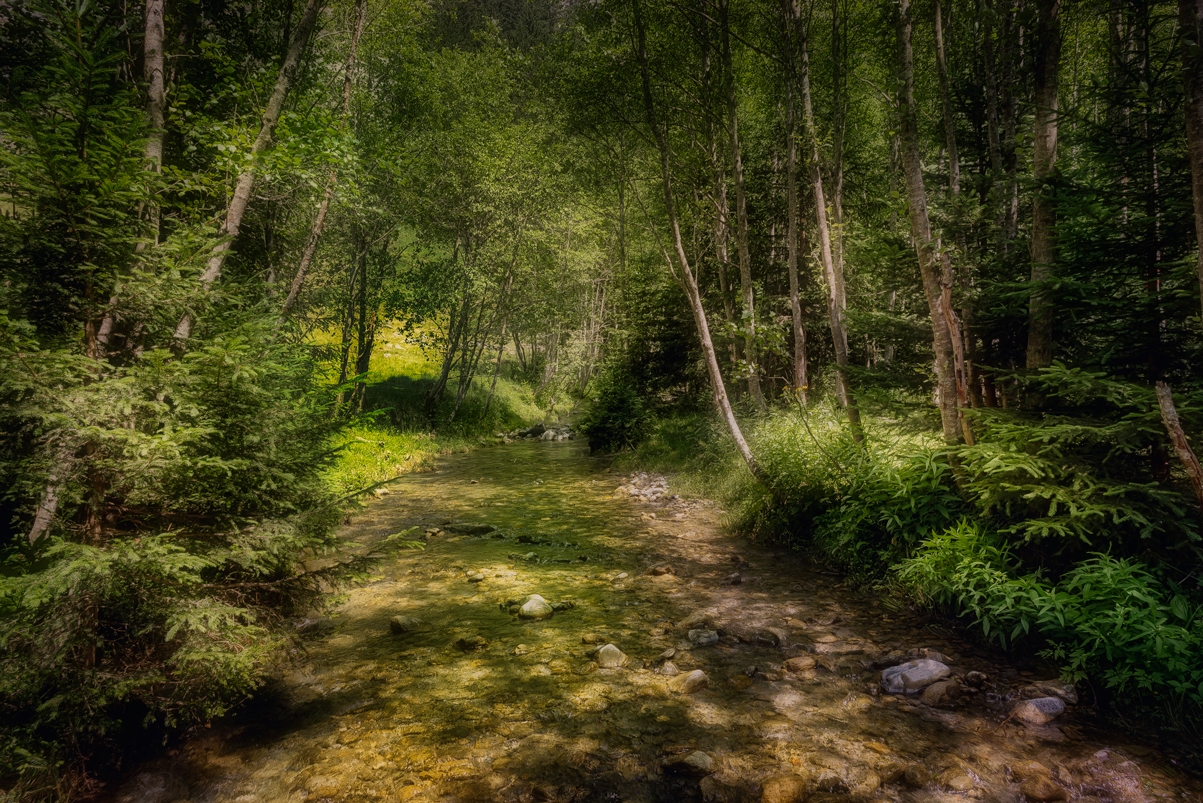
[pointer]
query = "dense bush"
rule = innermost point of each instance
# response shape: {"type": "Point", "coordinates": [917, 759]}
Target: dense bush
{"type": "Point", "coordinates": [617, 416]}
{"type": "Point", "coordinates": [1107, 618]}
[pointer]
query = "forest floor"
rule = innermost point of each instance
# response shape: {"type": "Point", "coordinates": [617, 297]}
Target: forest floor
{"type": "Point", "coordinates": [733, 672]}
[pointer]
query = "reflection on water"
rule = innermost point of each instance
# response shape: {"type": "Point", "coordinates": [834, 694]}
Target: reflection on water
{"type": "Point", "coordinates": [519, 711]}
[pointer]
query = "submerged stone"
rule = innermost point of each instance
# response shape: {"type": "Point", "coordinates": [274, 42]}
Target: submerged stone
{"type": "Point", "coordinates": [469, 643]}
{"type": "Point", "coordinates": [610, 657]}
{"type": "Point", "coordinates": [701, 638]}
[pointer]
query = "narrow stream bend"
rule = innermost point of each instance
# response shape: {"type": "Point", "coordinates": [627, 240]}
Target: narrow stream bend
{"type": "Point", "coordinates": [477, 704]}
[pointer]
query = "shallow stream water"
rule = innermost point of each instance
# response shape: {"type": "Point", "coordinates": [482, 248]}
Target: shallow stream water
{"type": "Point", "coordinates": [477, 704]}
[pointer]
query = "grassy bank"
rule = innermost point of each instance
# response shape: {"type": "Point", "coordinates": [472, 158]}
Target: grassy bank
{"type": "Point", "coordinates": [397, 436]}
{"type": "Point", "coordinates": [1032, 544]}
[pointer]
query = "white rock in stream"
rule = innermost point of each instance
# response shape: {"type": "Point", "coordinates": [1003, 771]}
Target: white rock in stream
{"type": "Point", "coordinates": [913, 676]}
{"type": "Point", "coordinates": [535, 607]}
{"type": "Point", "coordinates": [610, 657]}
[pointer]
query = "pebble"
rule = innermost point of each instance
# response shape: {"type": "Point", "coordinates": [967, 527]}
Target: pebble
{"type": "Point", "coordinates": [702, 638]}
{"type": "Point", "coordinates": [668, 669]}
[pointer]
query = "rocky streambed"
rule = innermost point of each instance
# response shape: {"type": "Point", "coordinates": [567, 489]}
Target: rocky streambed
{"type": "Point", "coordinates": [568, 634]}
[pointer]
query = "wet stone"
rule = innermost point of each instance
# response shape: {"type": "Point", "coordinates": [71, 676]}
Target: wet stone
{"type": "Point", "coordinates": [469, 643]}
{"type": "Point", "coordinates": [702, 638]}
{"type": "Point", "coordinates": [1039, 711]}
{"type": "Point", "coordinates": [783, 789]}
{"type": "Point", "coordinates": [732, 579]}
{"type": "Point", "coordinates": [592, 638]}
{"type": "Point", "coordinates": [610, 657]}
{"type": "Point", "coordinates": [535, 607]}
{"type": "Point", "coordinates": [802, 663]}
{"type": "Point", "coordinates": [956, 780]}
{"type": "Point", "coordinates": [689, 683]}
{"type": "Point", "coordinates": [976, 679]}
{"type": "Point", "coordinates": [695, 763]}
{"type": "Point", "coordinates": [1042, 789]}
{"type": "Point", "coordinates": [913, 676]}
{"type": "Point", "coordinates": [916, 775]}
{"type": "Point", "coordinates": [668, 669]}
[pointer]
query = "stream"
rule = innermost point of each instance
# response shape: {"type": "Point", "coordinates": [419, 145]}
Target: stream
{"type": "Point", "coordinates": [425, 685]}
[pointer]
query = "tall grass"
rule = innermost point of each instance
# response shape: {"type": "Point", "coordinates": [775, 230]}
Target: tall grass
{"type": "Point", "coordinates": [397, 435]}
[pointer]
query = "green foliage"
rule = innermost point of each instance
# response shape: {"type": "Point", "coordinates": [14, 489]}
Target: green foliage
{"type": "Point", "coordinates": [617, 417]}
{"type": "Point", "coordinates": [1077, 476]}
{"type": "Point", "coordinates": [1107, 618]}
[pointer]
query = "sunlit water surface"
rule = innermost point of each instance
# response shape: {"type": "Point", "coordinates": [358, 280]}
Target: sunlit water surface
{"type": "Point", "coordinates": [368, 715]}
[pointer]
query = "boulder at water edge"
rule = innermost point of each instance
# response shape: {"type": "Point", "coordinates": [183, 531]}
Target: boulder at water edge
{"type": "Point", "coordinates": [1040, 711]}
{"type": "Point", "coordinates": [535, 607]}
{"type": "Point", "coordinates": [913, 676]}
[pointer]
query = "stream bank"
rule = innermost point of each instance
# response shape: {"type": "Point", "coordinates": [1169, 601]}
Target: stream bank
{"type": "Point", "coordinates": [736, 673]}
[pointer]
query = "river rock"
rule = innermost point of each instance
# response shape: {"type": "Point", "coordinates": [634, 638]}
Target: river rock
{"type": "Point", "coordinates": [658, 571]}
{"type": "Point", "coordinates": [694, 620]}
{"type": "Point", "coordinates": [475, 577]}
{"type": "Point", "coordinates": [548, 435]}
{"type": "Point", "coordinates": [668, 669]}
{"type": "Point", "coordinates": [469, 643]}
{"type": "Point", "coordinates": [702, 638]}
{"type": "Point", "coordinates": [535, 607]}
{"type": "Point", "coordinates": [695, 763]}
{"type": "Point", "coordinates": [1039, 711]}
{"type": "Point", "coordinates": [913, 676]}
{"type": "Point", "coordinates": [956, 779]}
{"type": "Point", "coordinates": [916, 775]}
{"type": "Point", "coordinates": [690, 682]}
{"type": "Point", "coordinates": [732, 579]}
{"type": "Point", "coordinates": [976, 679]}
{"type": "Point", "coordinates": [1023, 770]}
{"type": "Point", "coordinates": [772, 636]}
{"type": "Point", "coordinates": [716, 789]}
{"type": "Point", "coordinates": [941, 692]}
{"type": "Point", "coordinates": [802, 663]}
{"type": "Point", "coordinates": [399, 625]}
{"type": "Point", "coordinates": [783, 789]}
{"type": "Point", "coordinates": [667, 654]}
{"type": "Point", "coordinates": [610, 657]}
{"type": "Point", "coordinates": [1042, 789]}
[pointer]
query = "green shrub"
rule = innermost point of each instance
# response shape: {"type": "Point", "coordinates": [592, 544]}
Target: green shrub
{"type": "Point", "coordinates": [617, 417]}
{"type": "Point", "coordinates": [1106, 618]}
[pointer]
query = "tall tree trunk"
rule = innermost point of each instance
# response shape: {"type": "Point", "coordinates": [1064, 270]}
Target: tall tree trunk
{"type": "Point", "coordinates": [950, 127]}
{"type": "Point", "coordinates": [831, 269]}
{"type": "Point", "coordinates": [152, 153]}
{"type": "Point", "coordinates": [319, 222]}
{"type": "Point", "coordinates": [741, 212]}
{"type": "Point", "coordinates": [686, 277]}
{"type": "Point", "coordinates": [246, 180]}
{"type": "Point", "coordinates": [1190, 17]}
{"type": "Point", "coordinates": [722, 212]}
{"type": "Point", "coordinates": [792, 252]}
{"type": "Point", "coordinates": [1044, 209]}
{"type": "Point", "coordinates": [839, 117]}
{"type": "Point", "coordinates": [929, 269]}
